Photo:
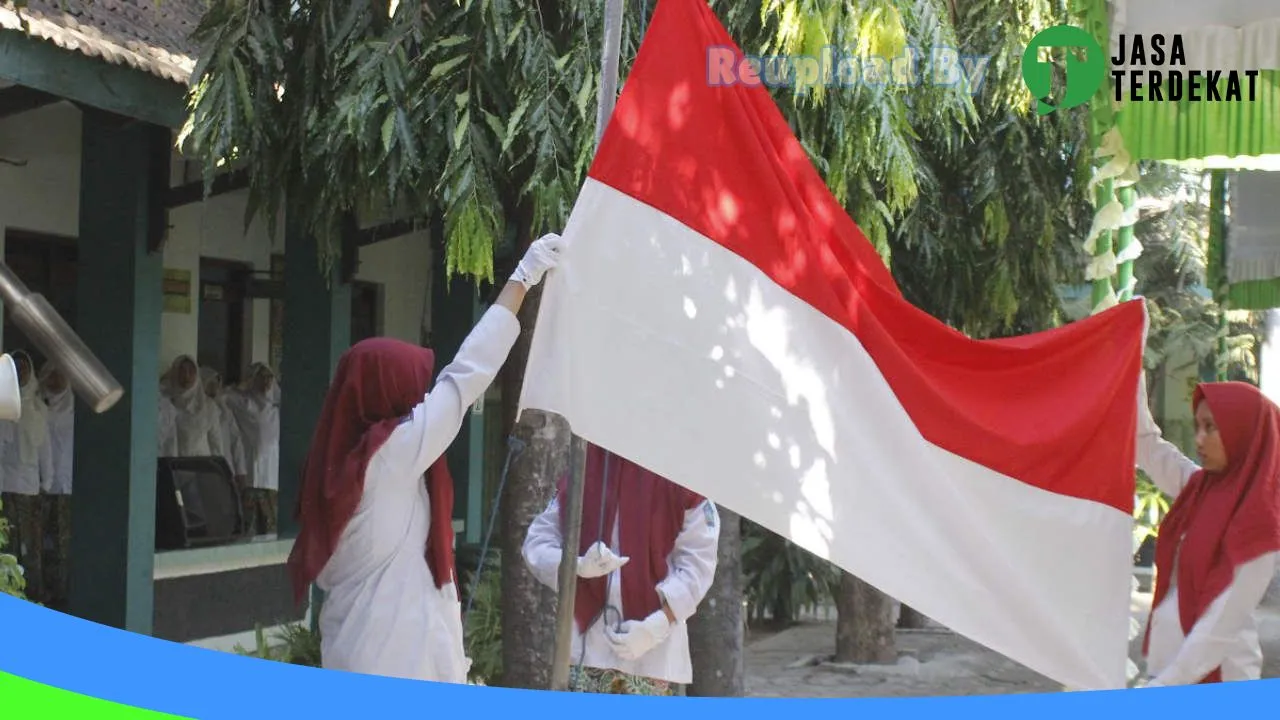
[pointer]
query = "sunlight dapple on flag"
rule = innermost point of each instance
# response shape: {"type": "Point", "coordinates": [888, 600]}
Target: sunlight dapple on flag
{"type": "Point", "coordinates": [719, 319]}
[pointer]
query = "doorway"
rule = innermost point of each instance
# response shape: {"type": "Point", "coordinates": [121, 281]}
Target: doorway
{"type": "Point", "coordinates": [366, 310]}
{"type": "Point", "coordinates": [225, 331]}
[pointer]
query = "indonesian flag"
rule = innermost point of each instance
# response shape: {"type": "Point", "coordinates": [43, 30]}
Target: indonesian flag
{"type": "Point", "coordinates": [718, 319]}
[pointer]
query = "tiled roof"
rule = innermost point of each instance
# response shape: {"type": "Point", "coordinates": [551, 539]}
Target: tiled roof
{"type": "Point", "coordinates": [148, 35]}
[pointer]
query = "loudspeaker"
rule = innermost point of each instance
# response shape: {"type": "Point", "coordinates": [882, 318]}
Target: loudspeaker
{"type": "Point", "coordinates": [197, 503]}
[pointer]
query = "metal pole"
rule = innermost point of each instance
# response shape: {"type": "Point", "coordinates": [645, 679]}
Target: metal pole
{"type": "Point", "coordinates": [45, 328]}
{"type": "Point", "coordinates": [568, 584]}
{"type": "Point", "coordinates": [1219, 281]}
{"type": "Point", "coordinates": [608, 96]}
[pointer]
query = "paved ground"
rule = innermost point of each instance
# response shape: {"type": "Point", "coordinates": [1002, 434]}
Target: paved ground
{"type": "Point", "coordinates": [935, 661]}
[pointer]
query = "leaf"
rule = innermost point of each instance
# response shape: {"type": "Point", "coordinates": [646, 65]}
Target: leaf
{"type": "Point", "coordinates": [495, 125]}
{"type": "Point", "coordinates": [459, 132]}
{"type": "Point", "coordinates": [584, 93]}
{"type": "Point", "coordinates": [515, 32]}
{"type": "Point", "coordinates": [441, 69]}
{"type": "Point", "coordinates": [406, 137]}
{"type": "Point", "coordinates": [448, 42]}
{"type": "Point", "coordinates": [513, 123]}
{"type": "Point", "coordinates": [388, 131]}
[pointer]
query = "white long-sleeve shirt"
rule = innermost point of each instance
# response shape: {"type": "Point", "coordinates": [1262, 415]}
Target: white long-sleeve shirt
{"type": "Point", "coordinates": [690, 569]}
{"type": "Point", "coordinates": [199, 429]}
{"type": "Point", "coordinates": [62, 428]}
{"type": "Point", "coordinates": [257, 418]}
{"type": "Point", "coordinates": [1226, 635]}
{"type": "Point", "coordinates": [230, 439]}
{"type": "Point", "coordinates": [383, 614]}
{"type": "Point", "coordinates": [29, 476]}
{"type": "Point", "coordinates": [166, 428]}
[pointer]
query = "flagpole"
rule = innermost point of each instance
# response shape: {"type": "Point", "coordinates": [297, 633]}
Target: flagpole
{"type": "Point", "coordinates": [568, 579]}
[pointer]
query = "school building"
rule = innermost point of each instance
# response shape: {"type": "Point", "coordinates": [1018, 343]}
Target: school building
{"type": "Point", "coordinates": [103, 217]}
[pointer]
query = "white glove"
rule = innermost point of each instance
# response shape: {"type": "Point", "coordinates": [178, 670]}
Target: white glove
{"type": "Point", "coordinates": [634, 639]}
{"type": "Point", "coordinates": [599, 561]}
{"type": "Point", "coordinates": [541, 256]}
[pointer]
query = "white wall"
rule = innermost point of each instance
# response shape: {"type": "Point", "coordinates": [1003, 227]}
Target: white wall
{"type": "Point", "coordinates": [214, 229]}
{"type": "Point", "coordinates": [403, 266]}
{"type": "Point", "coordinates": [43, 196]}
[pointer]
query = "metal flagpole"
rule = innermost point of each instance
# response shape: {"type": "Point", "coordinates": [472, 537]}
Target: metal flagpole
{"type": "Point", "coordinates": [578, 448]}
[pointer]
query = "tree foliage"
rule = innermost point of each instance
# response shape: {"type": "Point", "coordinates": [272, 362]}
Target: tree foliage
{"type": "Point", "coordinates": [483, 109]}
{"type": "Point", "coordinates": [1007, 202]}
{"type": "Point", "coordinates": [383, 110]}
{"type": "Point", "coordinates": [12, 581]}
{"type": "Point", "coordinates": [977, 203]}
{"type": "Point", "coordinates": [1185, 319]}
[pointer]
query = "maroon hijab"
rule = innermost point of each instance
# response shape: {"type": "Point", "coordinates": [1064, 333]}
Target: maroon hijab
{"type": "Point", "coordinates": [378, 383]}
{"type": "Point", "coordinates": [1223, 520]}
{"type": "Point", "coordinates": [651, 520]}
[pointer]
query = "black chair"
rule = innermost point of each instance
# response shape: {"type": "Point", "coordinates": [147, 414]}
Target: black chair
{"type": "Point", "coordinates": [197, 503]}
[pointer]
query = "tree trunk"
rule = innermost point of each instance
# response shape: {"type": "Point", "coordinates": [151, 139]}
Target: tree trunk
{"type": "Point", "coordinates": [716, 631]}
{"type": "Point", "coordinates": [864, 624]}
{"type": "Point", "coordinates": [528, 607]}
{"type": "Point", "coordinates": [911, 619]}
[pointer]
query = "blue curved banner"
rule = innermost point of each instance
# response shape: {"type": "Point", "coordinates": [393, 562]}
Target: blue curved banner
{"type": "Point", "coordinates": [59, 651]}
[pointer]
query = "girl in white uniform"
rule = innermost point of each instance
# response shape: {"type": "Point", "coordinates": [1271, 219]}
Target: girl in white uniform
{"type": "Point", "coordinates": [256, 407]}
{"type": "Point", "coordinates": [56, 392]}
{"type": "Point", "coordinates": [1217, 548]}
{"type": "Point", "coordinates": [197, 416]}
{"type": "Point", "coordinates": [26, 469]}
{"type": "Point", "coordinates": [376, 502]}
{"type": "Point", "coordinates": [636, 594]}
{"type": "Point", "coordinates": [227, 429]}
{"type": "Point", "coordinates": [166, 426]}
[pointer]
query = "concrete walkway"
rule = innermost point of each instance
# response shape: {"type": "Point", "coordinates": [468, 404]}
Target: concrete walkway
{"type": "Point", "coordinates": [934, 661]}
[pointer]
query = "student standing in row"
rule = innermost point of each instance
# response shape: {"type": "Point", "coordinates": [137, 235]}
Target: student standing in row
{"type": "Point", "coordinates": [26, 468]}
{"type": "Point", "coordinates": [229, 438]}
{"type": "Point", "coordinates": [256, 408]}
{"type": "Point", "coordinates": [57, 395]}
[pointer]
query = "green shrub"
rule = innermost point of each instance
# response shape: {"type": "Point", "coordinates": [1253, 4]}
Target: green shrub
{"type": "Point", "coordinates": [294, 644]}
{"type": "Point", "coordinates": [483, 630]}
{"type": "Point", "coordinates": [12, 580]}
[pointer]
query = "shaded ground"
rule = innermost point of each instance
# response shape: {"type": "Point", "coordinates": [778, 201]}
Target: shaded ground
{"type": "Point", "coordinates": [935, 661]}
